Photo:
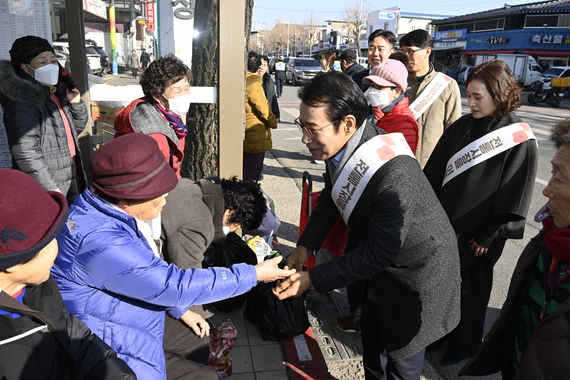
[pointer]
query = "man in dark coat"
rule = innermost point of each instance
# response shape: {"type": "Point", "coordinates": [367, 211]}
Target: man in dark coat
{"type": "Point", "coordinates": [349, 64]}
{"type": "Point", "coordinates": [145, 60]}
{"type": "Point", "coordinates": [30, 219]}
{"type": "Point", "coordinates": [407, 248]}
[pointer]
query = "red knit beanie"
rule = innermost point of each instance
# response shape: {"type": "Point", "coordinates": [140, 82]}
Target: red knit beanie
{"type": "Point", "coordinates": [30, 217]}
{"type": "Point", "coordinates": [132, 167]}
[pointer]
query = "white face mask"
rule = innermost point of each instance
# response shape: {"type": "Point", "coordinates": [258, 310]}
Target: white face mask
{"type": "Point", "coordinates": [179, 106]}
{"type": "Point", "coordinates": [378, 98]}
{"type": "Point", "coordinates": [48, 74]}
{"type": "Point", "coordinates": [226, 230]}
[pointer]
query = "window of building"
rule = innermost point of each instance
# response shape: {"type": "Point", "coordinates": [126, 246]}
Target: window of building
{"type": "Point", "coordinates": [489, 25]}
{"type": "Point", "coordinates": [542, 21]}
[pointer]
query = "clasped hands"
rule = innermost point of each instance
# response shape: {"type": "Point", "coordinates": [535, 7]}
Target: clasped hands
{"type": "Point", "coordinates": [298, 282]}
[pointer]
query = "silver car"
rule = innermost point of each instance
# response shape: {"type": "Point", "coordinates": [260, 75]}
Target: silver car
{"type": "Point", "coordinates": [300, 70]}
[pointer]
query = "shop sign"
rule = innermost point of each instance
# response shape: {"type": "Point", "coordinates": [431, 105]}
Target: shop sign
{"type": "Point", "coordinates": [185, 10]}
{"type": "Point", "coordinates": [451, 35]}
{"type": "Point", "coordinates": [343, 47]}
{"type": "Point", "coordinates": [493, 40]}
{"type": "Point", "coordinates": [96, 7]}
{"type": "Point", "coordinates": [150, 17]}
{"type": "Point", "coordinates": [449, 45]}
{"type": "Point", "coordinates": [550, 39]}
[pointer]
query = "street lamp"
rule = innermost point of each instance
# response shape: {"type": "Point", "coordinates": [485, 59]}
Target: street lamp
{"type": "Point", "coordinates": [287, 22]}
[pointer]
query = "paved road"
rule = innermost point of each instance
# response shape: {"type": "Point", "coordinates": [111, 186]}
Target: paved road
{"type": "Point", "coordinates": [294, 157]}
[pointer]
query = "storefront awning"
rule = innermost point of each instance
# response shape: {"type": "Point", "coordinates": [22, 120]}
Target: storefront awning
{"type": "Point", "coordinates": [550, 53]}
{"type": "Point", "coordinates": [475, 52]}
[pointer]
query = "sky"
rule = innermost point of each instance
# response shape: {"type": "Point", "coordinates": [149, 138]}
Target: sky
{"type": "Point", "coordinates": [268, 11]}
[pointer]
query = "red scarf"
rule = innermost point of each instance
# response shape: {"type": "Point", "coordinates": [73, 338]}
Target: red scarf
{"type": "Point", "coordinates": [556, 240]}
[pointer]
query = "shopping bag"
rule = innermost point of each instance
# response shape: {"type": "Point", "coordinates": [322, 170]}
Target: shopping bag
{"type": "Point", "coordinates": [232, 251]}
{"type": "Point", "coordinates": [277, 319]}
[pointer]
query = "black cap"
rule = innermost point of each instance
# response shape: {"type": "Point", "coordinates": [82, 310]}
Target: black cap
{"type": "Point", "coordinates": [348, 55]}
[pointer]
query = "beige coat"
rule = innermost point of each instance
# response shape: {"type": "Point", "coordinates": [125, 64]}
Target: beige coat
{"type": "Point", "coordinates": [440, 115]}
{"type": "Point", "coordinates": [258, 117]}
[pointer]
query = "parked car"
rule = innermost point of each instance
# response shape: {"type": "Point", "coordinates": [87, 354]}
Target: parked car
{"type": "Point", "coordinates": [300, 70]}
{"type": "Point", "coordinates": [463, 73]}
{"type": "Point", "coordinates": [363, 61]}
{"type": "Point", "coordinates": [556, 72]}
{"type": "Point", "coordinates": [104, 57]}
{"type": "Point", "coordinates": [271, 65]}
{"type": "Point", "coordinates": [93, 58]}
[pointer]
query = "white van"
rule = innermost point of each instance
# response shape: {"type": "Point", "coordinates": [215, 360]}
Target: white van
{"type": "Point", "coordinates": [93, 58]}
{"type": "Point", "coordinates": [363, 61]}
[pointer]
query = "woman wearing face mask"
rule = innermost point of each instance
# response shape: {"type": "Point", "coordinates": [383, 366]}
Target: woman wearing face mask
{"type": "Point", "coordinates": [482, 170]}
{"type": "Point", "coordinates": [161, 113]}
{"type": "Point", "coordinates": [42, 118]}
{"type": "Point", "coordinates": [390, 108]}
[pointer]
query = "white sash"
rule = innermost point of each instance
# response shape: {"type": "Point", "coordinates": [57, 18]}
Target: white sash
{"type": "Point", "coordinates": [429, 94]}
{"type": "Point", "coordinates": [485, 147]}
{"type": "Point", "coordinates": [360, 168]}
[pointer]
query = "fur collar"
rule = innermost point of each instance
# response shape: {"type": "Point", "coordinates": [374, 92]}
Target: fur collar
{"type": "Point", "coordinates": [18, 88]}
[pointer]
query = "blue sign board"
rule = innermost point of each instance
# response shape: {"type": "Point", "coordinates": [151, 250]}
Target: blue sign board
{"type": "Point", "coordinates": [537, 39]}
{"type": "Point", "coordinates": [386, 15]}
{"type": "Point", "coordinates": [451, 36]}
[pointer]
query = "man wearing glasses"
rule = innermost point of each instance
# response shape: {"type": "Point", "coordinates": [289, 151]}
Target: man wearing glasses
{"type": "Point", "coordinates": [434, 97]}
{"type": "Point", "coordinates": [406, 249]}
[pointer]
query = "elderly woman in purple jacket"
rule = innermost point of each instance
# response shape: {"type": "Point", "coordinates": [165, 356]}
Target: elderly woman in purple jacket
{"type": "Point", "coordinates": [109, 270]}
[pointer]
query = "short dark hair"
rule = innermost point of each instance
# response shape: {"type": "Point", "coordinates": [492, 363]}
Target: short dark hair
{"type": "Point", "coordinates": [561, 133]}
{"type": "Point", "coordinates": [253, 62]}
{"type": "Point", "coordinates": [400, 56]}
{"type": "Point", "coordinates": [339, 93]}
{"type": "Point", "coordinates": [389, 36]}
{"type": "Point", "coordinates": [163, 72]}
{"type": "Point", "coordinates": [264, 57]}
{"type": "Point", "coordinates": [246, 202]}
{"type": "Point", "coordinates": [501, 84]}
{"type": "Point", "coordinates": [419, 38]}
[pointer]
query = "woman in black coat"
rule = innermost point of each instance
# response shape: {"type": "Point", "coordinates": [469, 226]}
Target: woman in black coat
{"type": "Point", "coordinates": [42, 117]}
{"type": "Point", "coordinates": [482, 170]}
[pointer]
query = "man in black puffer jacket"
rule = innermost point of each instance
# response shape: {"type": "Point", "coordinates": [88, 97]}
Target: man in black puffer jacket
{"type": "Point", "coordinates": [42, 121]}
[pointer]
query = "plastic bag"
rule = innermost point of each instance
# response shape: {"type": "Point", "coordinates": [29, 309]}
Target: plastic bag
{"type": "Point", "coordinates": [222, 339]}
{"type": "Point", "coordinates": [232, 251]}
{"type": "Point", "coordinates": [277, 320]}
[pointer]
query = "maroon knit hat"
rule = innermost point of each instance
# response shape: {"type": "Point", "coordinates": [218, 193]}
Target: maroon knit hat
{"type": "Point", "coordinates": [132, 167]}
{"type": "Point", "coordinates": [30, 217]}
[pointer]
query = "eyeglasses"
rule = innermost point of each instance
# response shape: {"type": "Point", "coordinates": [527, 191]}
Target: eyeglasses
{"type": "Point", "coordinates": [411, 52]}
{"type": "Point", "coordinates": [308, 131]}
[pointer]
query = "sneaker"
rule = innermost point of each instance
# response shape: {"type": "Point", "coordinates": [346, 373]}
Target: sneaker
{"type": "Point", "coordinates": [347, 324]}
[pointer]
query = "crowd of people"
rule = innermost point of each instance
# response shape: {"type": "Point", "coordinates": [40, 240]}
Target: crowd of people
{"type": "Point", "coordinates": [112, 269]}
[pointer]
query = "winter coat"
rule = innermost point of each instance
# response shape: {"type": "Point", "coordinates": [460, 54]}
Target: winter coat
{"type": "Point", "coordinates": [280, 74]}
{"type": "Point", "coordinates": [145, 58]}
{"type": "Point", "coordinates": [546, 356]}
{"type": "Point", "coordinates": [142, 117]}
{"type": "Point", "coordinates": [438, 117]}
{"type": "Point", "coordinates": [110, 279]}
{"type": "Point", "coordinates": [490, 199]}
{"type": "Point", "coordinates": [36, 132]}
{"type": "Point", "coordinates": [399, 118]}
{"type": "Point", "coordinates": [258, 117]}
{"type": "Point", "coordinates": [134, 61]}
{"type": "Point", "coordinates": [355, 68]}
{"type": "Point", "coordinates": [407, 251]}
{"type": "Point", "coordinates": [269, 89]}
{"type": "Point", "coordinates": [192, 219]}
{"type": "Point", "coordinates": [33, 354]}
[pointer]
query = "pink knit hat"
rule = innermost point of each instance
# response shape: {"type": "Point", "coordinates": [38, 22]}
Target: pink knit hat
{"type": "Point", "coordinates": [389, 74]}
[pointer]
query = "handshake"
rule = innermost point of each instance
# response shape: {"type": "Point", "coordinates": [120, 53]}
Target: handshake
{"type": "Point", "coordinates": [291, 282]}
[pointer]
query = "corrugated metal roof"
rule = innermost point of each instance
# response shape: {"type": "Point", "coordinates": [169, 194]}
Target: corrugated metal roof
{"type": "Point", "coordinates": [559, 6]}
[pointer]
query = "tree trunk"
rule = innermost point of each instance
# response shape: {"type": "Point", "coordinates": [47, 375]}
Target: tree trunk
{"type": "Point", "coordinates": [201, 157]}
